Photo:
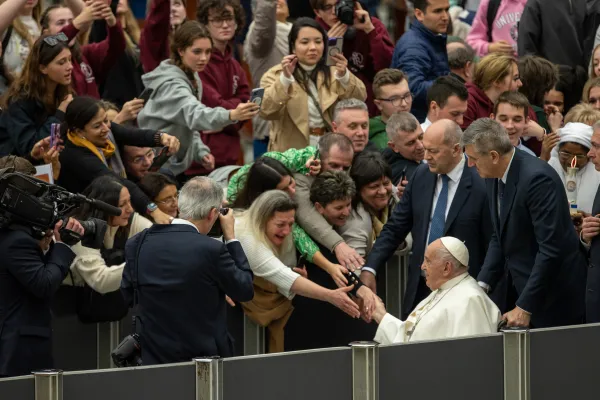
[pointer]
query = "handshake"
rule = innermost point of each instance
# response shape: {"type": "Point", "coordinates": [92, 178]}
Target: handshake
{"type": "Point", "coordinates": [371, 306]}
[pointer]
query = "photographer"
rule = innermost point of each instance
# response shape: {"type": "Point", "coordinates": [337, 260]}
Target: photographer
{"type": "Point", "coordinates": [101, 269]}
{"type": "Point", "coordinates": [367, 44]}
{"type": "Point", "coordinates": [182, 310]}
{"type": "Point", "coordinates": [30, 273]}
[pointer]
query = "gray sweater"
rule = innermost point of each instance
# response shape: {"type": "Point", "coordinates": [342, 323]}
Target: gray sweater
{"type": "Point", "coordinates": [173, 108]}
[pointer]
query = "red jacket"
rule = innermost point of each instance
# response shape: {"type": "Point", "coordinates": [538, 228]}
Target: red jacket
{"type": "Point", "coordinates": [224, 84]}
{"type": "Point", "coordinates": [96, 60]}
{"type": "Point", "coordinates": [154, 41]}
{"type": "Point", "coordinates": [479, 105]}
{"type": "Point", "coordinates": [368, 54]}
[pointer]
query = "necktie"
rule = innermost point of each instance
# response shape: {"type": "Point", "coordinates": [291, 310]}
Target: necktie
{"type": "Point", "coordinates": [501, 187]}
{"type": "Point", "coordinates": [438, 222]}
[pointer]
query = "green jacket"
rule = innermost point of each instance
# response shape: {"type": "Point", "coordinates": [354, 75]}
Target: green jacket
{"type": "Point", "coordinates": [377, 133]}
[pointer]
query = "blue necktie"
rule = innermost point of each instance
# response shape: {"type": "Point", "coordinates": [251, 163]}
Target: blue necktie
{"type": "Point", "coordinates": [438, 222]}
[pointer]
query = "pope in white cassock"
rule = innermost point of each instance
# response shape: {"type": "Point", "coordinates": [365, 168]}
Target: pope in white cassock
{"type": "Point", "coordinates": [456, 307]}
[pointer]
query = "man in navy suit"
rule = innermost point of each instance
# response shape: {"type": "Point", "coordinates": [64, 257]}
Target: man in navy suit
{"type": "Point", "coordinates": [183, 276]}
{"type": "Point", "coordinates": [444, 198]}
{"type": "Point", "coordinates": [31, 272]}
{"type": "Point", "coordinates": [534, 244]}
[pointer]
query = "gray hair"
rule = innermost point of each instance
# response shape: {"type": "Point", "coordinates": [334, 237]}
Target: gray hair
{"type": "Point", "coordinates": [446, 256]}
{"type": "Point", "coordinates": [401, 122]}
{"type": "Point", "coordinates": [459, 56]}
{"type": "Point", "coordinates": [348, 104]}
{"type": "Point", "coordinates": [486, 135]}
{"type": "Point", "coordinates": [198, 197]}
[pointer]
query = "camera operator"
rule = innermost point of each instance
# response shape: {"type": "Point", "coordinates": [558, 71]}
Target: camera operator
{"type": "Point", "coordinates": [179, 277]}
{"type": "Point", "coordinates": [367, 44]}
{"type": "Point", "coordinates": [30, 273]}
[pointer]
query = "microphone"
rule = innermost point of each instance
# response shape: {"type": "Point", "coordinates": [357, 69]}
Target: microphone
{"type": "Point", "coordinates": [107, 208]}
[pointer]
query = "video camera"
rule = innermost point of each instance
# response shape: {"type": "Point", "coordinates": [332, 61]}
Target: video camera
{"type": "Point", "coordinates": [34, 206]}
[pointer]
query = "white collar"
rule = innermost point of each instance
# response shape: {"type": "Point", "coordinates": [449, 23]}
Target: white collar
{"type": "Point", "coordinates": [454, 281]}
{"type": "Point", "coordinates": [457, 171]}
{"type": "Point", "coordinates": [505, 176]}
{"type": "Point", "coordinates": [179, 221]}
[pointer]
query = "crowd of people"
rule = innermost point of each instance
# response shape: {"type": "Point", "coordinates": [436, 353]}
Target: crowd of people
{"type": "Point", "coordinates": [471, 145]}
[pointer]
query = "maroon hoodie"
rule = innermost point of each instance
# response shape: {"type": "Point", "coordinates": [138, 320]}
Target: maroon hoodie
{"type": "Point", "coordinates": [96, 60]}
{"type": "Point", "coordinates": [154, 41]}
{"type": "Point", "coordinates": [367, 54]}
{"type": "Point", "coordinates": [224, 84]}
{"type": "Point", "coordinates": [479, 105]}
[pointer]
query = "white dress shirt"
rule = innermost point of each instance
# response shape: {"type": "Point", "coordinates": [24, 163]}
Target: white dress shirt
{"type": "Point", "coordinates": [426, 124]}
{"type": "Point", "coordinates": [453, 181]}
{"type": "Point", "coordinates": [179, 221]}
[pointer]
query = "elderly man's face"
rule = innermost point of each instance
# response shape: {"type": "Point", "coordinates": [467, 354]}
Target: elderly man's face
{"type": "Point", "coordinates": [409, 144]}
{"type": "Point", "coordinates": [437, 271]}
{"type": "Point", "coordinates": [486, 164]}
{"type": "Point", "coordinates": [354, 124]}
{"type": "Point", "coordinates": [138, 160]}
{"type": "Point", "coordinates": [594, 153]}
{"type": "Point", "coordinates": [441, 157]}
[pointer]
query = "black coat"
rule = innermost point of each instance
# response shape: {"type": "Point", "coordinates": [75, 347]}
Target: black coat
{"type": "Point", "coordinates": [183, 278]}
{"type": "Point", "coordinates": [79, 166]}
{"type": "Point", "coordinates": [28, 281]}
{"type": "Point", "coordinates": [24, 123]}
{"type": "Point", "coordinates": [398, 165]}
{"type": "Point", "coordinates": [592, 294]}
{"type": "Point", "coordinates": [468, 220]}
{"type": "Point", "coordinates": [534, 242]}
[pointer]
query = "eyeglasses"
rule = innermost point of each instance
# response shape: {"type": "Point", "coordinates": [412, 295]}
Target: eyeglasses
{"type": "Point", "coordinates": [218, 22]}
{"type": "Point", "coordinates": [397, 100]}
{"type": "Point", "coordinates": [170, 201]}
{"type": "Point", "coordinates": [569, 156]}
{"type": "Point", "coordinates": [54, 39]}
{"type": "Point", "coordinates": [149, 156]}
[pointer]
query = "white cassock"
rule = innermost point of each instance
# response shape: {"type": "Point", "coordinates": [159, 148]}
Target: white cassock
{"type": "Point", "coordinates": [458, 308]}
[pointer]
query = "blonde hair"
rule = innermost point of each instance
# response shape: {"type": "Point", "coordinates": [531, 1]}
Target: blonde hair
{"type": "Point", "coordinates": [20, 28]}
{"type": "Point", "coordinates": [592, 73]}
{"type": "Point", "coordinates": [131, 28]}
{"type": "Point", "coordinates": [491, 69]}
{"type": "Point", "coordinates": [583, 113]}
{"type": "Point", "coordinates": [589, 85]}
{"type": "Point", "coordinates": [255, 219]}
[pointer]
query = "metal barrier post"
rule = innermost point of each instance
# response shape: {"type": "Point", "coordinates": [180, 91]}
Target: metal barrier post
{"type": "Point", "coordinates": [254, 338]}
{"type": "Point", "coordinates": [209, 378]}
{"type": "Point", "coordinates": [108, 338]}
{"type": "Point", "coordinates": [516, 364]}
{"type": "Point", "coordinates": [395, 282]}
{"type": "Point", "coordinates": [48, 384]}
{"type": "Point", "coordinates": [365, 371]}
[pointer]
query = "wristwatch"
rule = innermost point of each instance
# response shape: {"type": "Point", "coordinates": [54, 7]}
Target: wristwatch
{"type": "Point", "coordinates": [151, 207]}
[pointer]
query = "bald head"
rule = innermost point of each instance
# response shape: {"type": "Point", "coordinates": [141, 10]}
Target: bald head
{"type": "Point", "coordinates": [461, 59]}
{"type": "Point", "coordinates": [442, 150]}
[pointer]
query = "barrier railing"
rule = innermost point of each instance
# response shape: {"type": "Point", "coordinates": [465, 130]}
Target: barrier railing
{"type": "Point", "coordinates": [545, 364]}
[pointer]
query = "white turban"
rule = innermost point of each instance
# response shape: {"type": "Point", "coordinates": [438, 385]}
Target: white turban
{"type": "Point", "coordinates": [457, 249]}
{"type": "Point", "coordinates": [577, 132]}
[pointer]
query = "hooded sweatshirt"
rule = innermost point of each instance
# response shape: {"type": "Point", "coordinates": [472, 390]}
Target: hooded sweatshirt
{"type": "Point", "coordinates": [225, 85]}
{"type": "Point", "coordinates": [555, 30]}
{"type": "Point", "coordinates": [174, 108]}
{"type": "Point", "coordinates": [505, 26]}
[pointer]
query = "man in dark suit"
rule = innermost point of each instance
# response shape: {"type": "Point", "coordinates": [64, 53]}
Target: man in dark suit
{"type": "Point", "coordinates": [534, 244]}
{"type": "Point", "coordinates": [28, 281]}
{"type": "Point", "coordinates": [183, 276]}
{"type": "Point", "coordinates": [590, 230]}
{"type": "Point", "coordinates": [444, 198]}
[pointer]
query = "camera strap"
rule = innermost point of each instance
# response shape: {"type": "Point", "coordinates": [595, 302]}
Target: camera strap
{"type": "Point", "coordinates": [135, 281]}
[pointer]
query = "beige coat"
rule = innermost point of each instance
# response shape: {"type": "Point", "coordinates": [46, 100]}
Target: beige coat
{"type": "Point", "coordinates": [288, 112]}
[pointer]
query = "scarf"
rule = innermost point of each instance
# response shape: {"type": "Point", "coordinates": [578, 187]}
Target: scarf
{"type": "Point", "coordinates": [103, 153]}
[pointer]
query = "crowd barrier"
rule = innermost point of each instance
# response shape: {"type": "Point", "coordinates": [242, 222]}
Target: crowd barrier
{"type": "Point", "coordinates": [545, 364]}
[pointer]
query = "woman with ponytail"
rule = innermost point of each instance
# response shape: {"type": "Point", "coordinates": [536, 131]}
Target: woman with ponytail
{"type": "Point", "coordinates": [301, 92]}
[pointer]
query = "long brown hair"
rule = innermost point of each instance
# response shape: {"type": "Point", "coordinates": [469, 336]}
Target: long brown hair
{"type": "Point", "coordinates": [184, 37]}
{"type": "Point", "coordinates": [20, 28]}
{"type": "Point", "coordinates": [32, 84]}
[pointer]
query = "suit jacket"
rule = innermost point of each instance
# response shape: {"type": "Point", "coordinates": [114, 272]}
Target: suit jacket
{"type": "Point", "coordinates": [592, 294]}
{"type": "Point", "coordinates": [535, 242]}
{"type": "Point", "coordinates": [468, 219]}
{"type": "Point", "coordinates": [28, 281]}
{"type": "Point", "coordinates": [183, 277]}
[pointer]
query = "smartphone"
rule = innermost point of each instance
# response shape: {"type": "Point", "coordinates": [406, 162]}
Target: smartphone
{"type": "Point", "coordinates": [216, 231]}
{"type": "Point", "coordinates": [146, 94]}
{"type": "Point", "coordinates": [334, 46]}
{"type": "Point", "coordinates": [317, 157]}
{"type": "Point", "coordinates": [257, 96]}
{"type": "Point", "coordinates": [54, 134]}
{"type": "Point", "coordinates": [402, 176]}
{"type": "Point", "coordinates": [159, 159]}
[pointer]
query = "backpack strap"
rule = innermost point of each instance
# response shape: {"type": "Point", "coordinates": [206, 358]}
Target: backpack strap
{"type": "Point", "coordinates": [492, 11]}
